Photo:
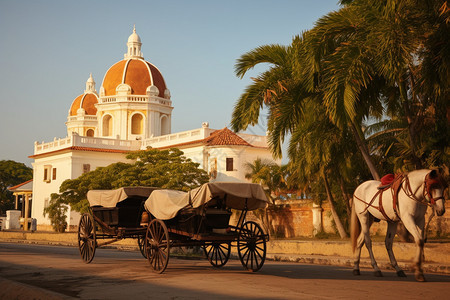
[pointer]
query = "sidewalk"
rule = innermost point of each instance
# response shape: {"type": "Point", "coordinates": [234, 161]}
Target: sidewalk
{"type": "Point", "coordinates": [323, 252]}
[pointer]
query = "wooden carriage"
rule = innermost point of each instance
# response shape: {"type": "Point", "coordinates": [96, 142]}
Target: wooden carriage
{"type": "Point", "coordinates": [200, 217]}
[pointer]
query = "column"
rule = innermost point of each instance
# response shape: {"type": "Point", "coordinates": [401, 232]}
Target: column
{"type": "Point", "coordinates": [16, 205]}
{"type": "Point", "coordinates": [317, 219]}
{"type": "Point", "coordinates": [25, 217]}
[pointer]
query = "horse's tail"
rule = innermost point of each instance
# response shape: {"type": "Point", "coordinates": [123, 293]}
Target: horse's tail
{"type": "Point", "coordinates": [355, 226]}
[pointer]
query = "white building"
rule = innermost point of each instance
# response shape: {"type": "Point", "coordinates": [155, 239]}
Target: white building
{"type": "Point", "coordinates": [132, 111]}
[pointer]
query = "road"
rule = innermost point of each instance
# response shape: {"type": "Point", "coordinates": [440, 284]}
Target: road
{"type": "Point", "coordinates": [117, 274]}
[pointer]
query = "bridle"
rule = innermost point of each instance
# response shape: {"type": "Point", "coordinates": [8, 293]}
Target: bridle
{"type": "Point", "coordinates": [430, 184]}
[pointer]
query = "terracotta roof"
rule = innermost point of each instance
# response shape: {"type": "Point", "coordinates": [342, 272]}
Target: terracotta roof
{"type": "Point", "coordinates": [222, 137]}
{"type": "Point", "coordinates": [19, 185]}
{"type": "Point", "coordinates": [86, 101]}
{"type": "Point", "coordinates": [225, 137]}
{"type": "Point", "coordinates": [137, 73]}
{"type": "Point", "coordinates": [81, 149]}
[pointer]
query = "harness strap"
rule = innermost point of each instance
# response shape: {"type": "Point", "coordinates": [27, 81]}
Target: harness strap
{"type": "Point", "coordinates": [381, 209]}
{"type": "Point", "coordinates": [395, 188]}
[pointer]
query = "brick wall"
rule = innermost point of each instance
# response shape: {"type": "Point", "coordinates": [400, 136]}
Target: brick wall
{"type": "Point", "coordinates": [294, 218]}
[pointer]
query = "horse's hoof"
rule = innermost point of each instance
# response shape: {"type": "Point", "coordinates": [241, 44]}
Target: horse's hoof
{"type": "Point", "coordinates": [356, 272]}
{"type": "Point", "coordinates": [420, 278]}
{"type": "Point", "coordinates": [378, 274]}
{"type": "Point", "coordinates": [401, 273]}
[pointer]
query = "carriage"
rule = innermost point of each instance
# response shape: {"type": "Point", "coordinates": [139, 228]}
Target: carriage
{"type": "Point", "coordinates": [162, 219]}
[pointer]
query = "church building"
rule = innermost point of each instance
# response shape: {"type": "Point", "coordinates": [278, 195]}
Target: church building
{"type": "Point", "coordinates": [132, 111]}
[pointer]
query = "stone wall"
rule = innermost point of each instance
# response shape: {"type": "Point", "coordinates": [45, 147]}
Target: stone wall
{"type": "Point", "coordinates": [294, 218]}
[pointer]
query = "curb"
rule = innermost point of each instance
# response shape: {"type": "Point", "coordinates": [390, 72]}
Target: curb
{"type": "Point", "coordinates": [282, 257]}
{"type": "Point", "coordinates": [348, 262]}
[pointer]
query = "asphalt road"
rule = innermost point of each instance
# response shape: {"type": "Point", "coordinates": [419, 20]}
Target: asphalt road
{"type": "Point", "coordinates": [117, 274]}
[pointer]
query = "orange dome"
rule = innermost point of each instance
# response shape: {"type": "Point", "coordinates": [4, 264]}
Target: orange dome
{"type": "Point", "coordinates": [137, 73]}
{"type": "Point", "coordinates": [85, 101]}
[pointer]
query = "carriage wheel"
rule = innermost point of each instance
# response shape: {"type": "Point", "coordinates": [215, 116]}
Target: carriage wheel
{"type": "Point", "coordinates": [217, 253]}
{"type": "Point", "coordinates": [251, 246]}
{"type": "Point", "coordinates": [157, 245]}
{"type": "Point", "coordinates": [141, 244]}
{"type": "Point", "coordinates": [87, 238]}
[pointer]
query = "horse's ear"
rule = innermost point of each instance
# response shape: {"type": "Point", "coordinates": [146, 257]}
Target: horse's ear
{"type": "Point", "coordinates": [433, 174]}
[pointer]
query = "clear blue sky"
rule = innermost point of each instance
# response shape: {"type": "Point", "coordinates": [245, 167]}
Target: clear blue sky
{"type": "Point", "coordinates": [48, 48]}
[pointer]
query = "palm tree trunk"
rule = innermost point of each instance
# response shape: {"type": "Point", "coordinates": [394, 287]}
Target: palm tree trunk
{"type": "Point", "coordinates": [346, 197]}
{"type": "Point", "coordinates": [411, 127]}
{"type": "Point", "coordinates": [337, 221]}
{"type": "Point", "coordinates": [360, 141]}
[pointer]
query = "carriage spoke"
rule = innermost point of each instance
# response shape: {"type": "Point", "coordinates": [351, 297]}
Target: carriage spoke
{"type": "Point", "coordinates": [251, 246]}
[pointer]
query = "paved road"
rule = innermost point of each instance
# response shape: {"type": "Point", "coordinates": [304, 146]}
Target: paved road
{"type": "Point", "coordinates": [117, 274]}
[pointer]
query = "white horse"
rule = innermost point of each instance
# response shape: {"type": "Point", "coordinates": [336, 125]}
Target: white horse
{"type": "Point", "coordinates": [406, 199]}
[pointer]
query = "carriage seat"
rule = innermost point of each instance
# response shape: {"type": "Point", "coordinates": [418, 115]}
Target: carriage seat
{"type": "Point", "coordinates": [126, 213]}
{"type": "Point", "coordinates": [217, 218]}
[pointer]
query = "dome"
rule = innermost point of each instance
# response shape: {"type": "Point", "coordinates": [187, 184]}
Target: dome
{"type": "Point", "coordinates": [134, 38]}
{"type": "Point", "coordinates": [86, 102]}
{"type": "Point", "coordinates": [138, 74]}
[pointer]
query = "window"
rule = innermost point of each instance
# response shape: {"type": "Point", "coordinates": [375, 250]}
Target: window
{"type": "Point", "coordinates": [165, 125]}
{"type": "Point", "coordinates": [86, 168]}
{"type": "Point", "coordinates": [136, 124]}
{"type": "Point", "coordinates": [229, 164]}
{"type": "Point", "coordinates": [107, 125]}
{"type": "Point", "coordinates": [47, 171]}
{"type": "Point", "coordinates": [90, 132]}
{"type": "Point", "coordinates": [54, 174]}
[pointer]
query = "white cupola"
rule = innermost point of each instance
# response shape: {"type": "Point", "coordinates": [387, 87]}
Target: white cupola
{"type": "Point", "coordinates": [134, 46]}
{"type": "Point", "coordinates": [90, 85]}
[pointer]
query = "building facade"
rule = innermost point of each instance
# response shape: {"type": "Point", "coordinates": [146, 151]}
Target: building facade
{"type": "Point", "coordinates": [132, 111]}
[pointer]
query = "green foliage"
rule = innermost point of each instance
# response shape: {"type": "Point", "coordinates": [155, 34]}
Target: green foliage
{"type": "Point", "coordinates": [167, 169]}
{"type": "Point", "coordinates": [11, 174]}
{"type": "Point", "coordinates": [268, 174]}
{"type": "Point", "coordinates": [383, 61]}
{"type": "Point", "coordinates": [56, 211]}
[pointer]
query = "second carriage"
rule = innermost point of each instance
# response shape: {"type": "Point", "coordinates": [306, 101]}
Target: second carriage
{"type": "Point", "coordinates": [200, 217]}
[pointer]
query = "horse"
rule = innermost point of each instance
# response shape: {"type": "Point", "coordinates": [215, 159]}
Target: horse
{"type": "Point", "coordinates": [406, 199]}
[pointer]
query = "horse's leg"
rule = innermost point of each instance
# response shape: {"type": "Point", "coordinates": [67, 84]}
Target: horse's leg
{"type": "Point", "coordinates": [416, 231]}
{"type": "Point", "coordinates": [391, 230]}
{"type": "Point", "coordinates": [359, 244]}
{"type": "Point", "coordinates": [366, 222]}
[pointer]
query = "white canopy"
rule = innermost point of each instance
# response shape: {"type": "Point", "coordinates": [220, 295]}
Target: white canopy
{"type": "Point", "coordinates": [165, 204]}
{"type": "Point", "coordinates": [109, 198]}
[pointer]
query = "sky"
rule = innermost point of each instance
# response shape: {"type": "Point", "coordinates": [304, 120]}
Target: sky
{"type": "Point", "coordinates": [49, 48]}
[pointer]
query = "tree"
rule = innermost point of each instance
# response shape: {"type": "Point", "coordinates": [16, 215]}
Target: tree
{"type": "Point", "coordinates": [388, 55]}
{"type": "Point", "coordinates": [318, 151]}
{"type": "Point", "coordinates": [11, 174]}
{"type": "Point", "coordinates": [56, 211]}
{"type": "Point", "coordinates": [167, 169]}
{"type": "Point", "coordinates": [268, 174]}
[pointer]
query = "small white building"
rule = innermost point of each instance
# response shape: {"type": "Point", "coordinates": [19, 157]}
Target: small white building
{"type": "Point", "coordinates": [132, 111]}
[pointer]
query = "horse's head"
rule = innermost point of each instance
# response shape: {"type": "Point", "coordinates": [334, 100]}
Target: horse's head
{"type": "Point", "coordinates": [435, 185]}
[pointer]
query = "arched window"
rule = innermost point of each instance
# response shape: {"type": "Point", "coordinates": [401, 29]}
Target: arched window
{"type": "Point", "coordinates": [90, 132]}
{"type": "Point", "coordinates": [165, 125]}
{"type": "Point", "coordinates": [107, 125]}
{"type": "Point", "coordinates": [136, 124]}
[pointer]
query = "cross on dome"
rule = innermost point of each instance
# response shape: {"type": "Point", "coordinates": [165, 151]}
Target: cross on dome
{"type": "Point", "coordinates": [134, 46]}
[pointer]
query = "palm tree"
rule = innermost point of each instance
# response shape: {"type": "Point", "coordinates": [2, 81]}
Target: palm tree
{"type": "Point", "coordinates": [316, 151]}
{"type": "Point", "coordinates": [374, 53]}
{"type": "Point", "coordinates": [268, 174]}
